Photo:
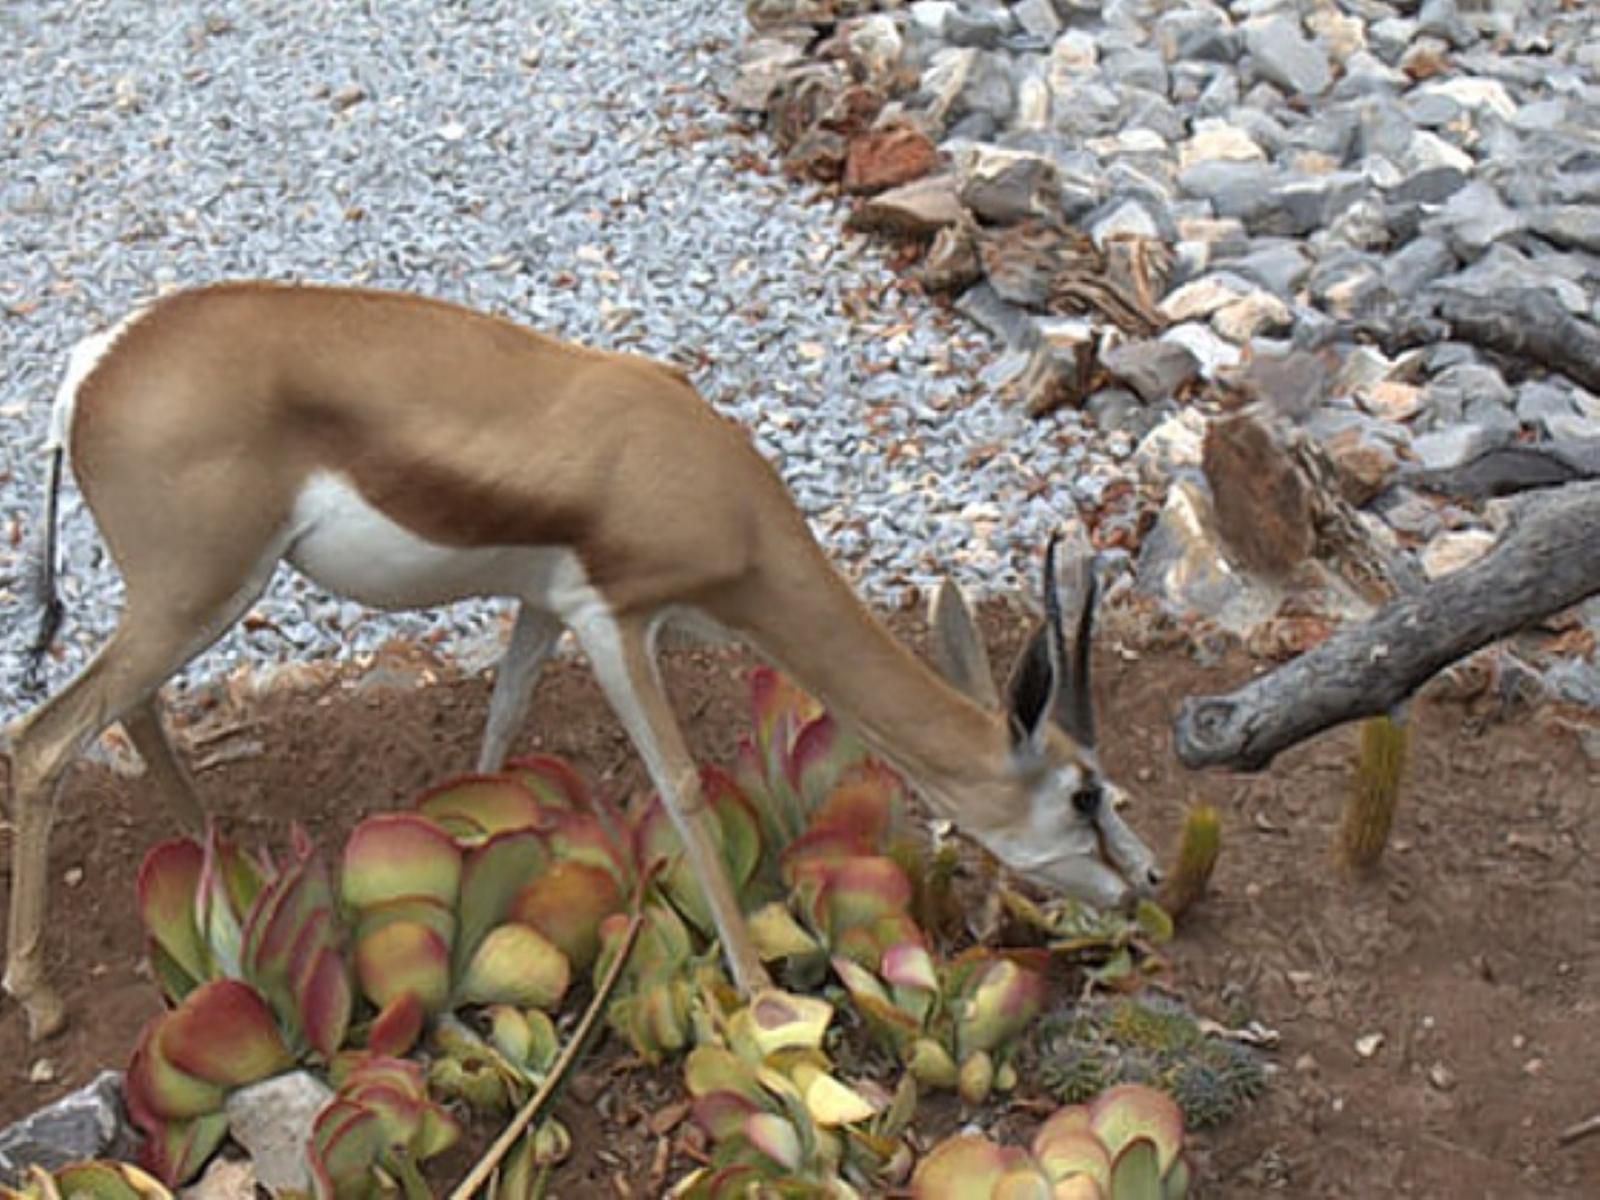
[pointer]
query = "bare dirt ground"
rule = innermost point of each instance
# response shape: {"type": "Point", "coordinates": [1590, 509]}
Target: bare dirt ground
{"type": "Point", "coordinates": [1473, 951]}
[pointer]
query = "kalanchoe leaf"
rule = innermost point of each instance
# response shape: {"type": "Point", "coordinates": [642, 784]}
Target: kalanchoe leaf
{"type": "Point", "coordinates": [404, 956]}
{"type": "Point", "coordinates": [776, 934]}
{"type": "Point", "coordinates": [1022, 1182]}
{"type": "Point", "coordinates": [866, 802]}
{"type": "Point", "coordinates": [169, 880]}
{"type": "Point", "coordinates": [776, 1020]}
{"type": "Point", "coordinates": [1135, 1173]}
{"type": "Point", "coordinates": [774, 1137]}
{"type": "Point", "coordinates": [395, 1030]}
{"type": "Point", "coordinates": [583, 838]}
{"type": "Point", "coordinates": [567, 902]}
{"type": "Point", "coordinates": [1064, 1151]}
{"type": "Point", "coordinates": [287, 934]}
{"type": "Point", "coordinates": [473, 808]}
{"type": "Point", "coordinates": [1005, 1000]}
{"type": "Point", "coordinates": [225, 1034]}
{"type": "Point", "coordinates": [492, 875]}
{"type": "Point", "coordinates": [931, 1064]}
{"type": "Point", "coordinates": [1128, 1111]}
{"type": "Point", "coordinates": [1175, 1184]}
{"type": "Point", "coordinates": [1078, 1187]}
{"type": "Point", "coordinates": [859, 981]}
{"type": "Point", "coordinates": [108, 1181]}
{"type": "Point", "coordinates": [174, 1152]}
{"type": "Point", "coordinates": [821, 754]}
{"type": "Point", "coordinates": [975, 1079]}
{"type": "Point", "coordinates": [346, 1142]}
{"type": "Point", "coordinates": [712, 1069]}
{"type": "Point", "coordinates": [552, 780]}
{"type": "Point", "coordinates": [861, 890]}
{"type": "Point", "coordinates": [515, 964]}
{"type": "Point", "coordinates": [832, 1104]}
{"type": "Point", "coordinates": [159, 1092]}
{"type": "Point", "coordinates": [909, 965]}
{"type": "Point", "coordinates": [400, 854]}
{"type": "Point", "coordinates": [229, 885]}
{"type": "Point", "coordinates": [723, 1114]}
{"type": "Point", "coordinates": [740, 824]}
{"type": "Point", "coordinates": [964, 1167]}
{"type": "Point", "coordinates": [1154, 921]}
{"type": "Point", "coordinates": [323, 994]}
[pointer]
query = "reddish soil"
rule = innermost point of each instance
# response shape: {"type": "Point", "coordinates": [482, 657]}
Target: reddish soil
{"type": "Point", "coordinates": [1473, 950]}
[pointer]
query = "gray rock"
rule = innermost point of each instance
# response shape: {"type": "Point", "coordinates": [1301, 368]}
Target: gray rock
{"type": "Point", "coordinates": [272, 1121]}
{"type": "Point", "coordinates": [923, 206]}
{"type": "Point", "coordinates": [1153, 369]}
{"type": "Point", "coordinates": [1009, 185]}
{"type": "Point", "coordinates": [87, 1123]}
{"type": "Point", "coordinates": [1417, 264]}
{"type": "Point", "coordinates": [1473, 394]}
{"type": "Point", "coordinates": [1138, 68]}
{"type": "Point", "coordinates": [1297, 207]}
{"type": "Point", "coordinates": [1284, 56]}
{"type": "Point", "coordinates": [1124, 218]}
{"type": "Point", "coordinates": [1574, 427]}
{"type": "Point", "coordinates": [1391, 37]}
{"type": "Point", "coordinates": [1348, 285]}
{"type": "Point", "coordinates": [1442, 19]}
{"type": "Point", "coordinates": [1280, 267]}
{"type": "Point", "coordinates": [1474, 219]}
{"type": "Point", "coordinates": [1012, 324]}
{"type": "Point", "coordinates": [1037, 17]}
{"type": "Point", "coordinates": [1575, 681]}
{"type": "Point", "coordinates": [1539, 400]}
{"type": "Point", "coordinates": [1504, 268]}
{"type": "Point", "coordinates": [968, 28]}
{"type": "Point", "coordinates": [1235, 189]}
{"type": "Point", "coordinates": [1196, 35]}
{"type": "Point", "coordinates": [1117, 410]}
{"type": "Point", "coordinates": [1382, 129]}
{"type": "Point", "coordinates": [1430, 110]}
{"type": "Point", "coordinates": [1574, 226]}
{"type": "Point", "coordinates": [1441, 449]}
{"type": "Point", "coordinates": [1433, 185]}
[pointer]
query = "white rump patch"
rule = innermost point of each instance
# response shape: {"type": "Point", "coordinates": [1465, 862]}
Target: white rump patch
{"type": "Point", "coordinates": [82, 361]}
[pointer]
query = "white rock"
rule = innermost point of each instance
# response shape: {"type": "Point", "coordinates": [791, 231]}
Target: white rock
{"type": "Point", "coordinates": [1456, 549]}
{"type": "Point", "coordinates": [1213, 353]}
{"type": "Point", "coordinates": [1248, 316]}
{"type": "Point", "coordinates": [1074, 53]}
{"type": "Point", "coordinates": [930, 15]}
{"type": "Point", "coordinates": [876, 44]}
{"type": "Point", "coordinates": [1217, 141]}
{"type": "Point", "coordinates": [272, 1121]}
{"type": "Point", "coordinates": [1428, 150]}
{"type": "Point", "coordinates": [1198, 300]}
{"type": "Point", "coordinates": [1473, 92]}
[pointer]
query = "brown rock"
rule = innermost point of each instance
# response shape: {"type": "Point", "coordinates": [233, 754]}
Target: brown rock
{"type": "Point", "coordinates": [801, 99]}
{"type": "Point", "coordinates": [1024, 260]}
{"type": "Point", "coordinates": [1263, 511]}
{"type": "Point", "coordinates": [921, 208]}
{"type": "Point", "coordinates": [1364, 464]}
{"type": "Point", "coordinates": [886, 158]}
{"type": "Point", "coordinates": [819, 154]}
{"type": "Point", "coordinates": [952, 262]}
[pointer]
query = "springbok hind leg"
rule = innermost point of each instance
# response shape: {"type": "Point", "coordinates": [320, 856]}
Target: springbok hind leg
{"type": "Point", "coordinates": [171, 778]}
{"type": "Point", "coordinates": [43, 745]}
{"type": "Point", "coordinates": [620, 654]}
{"type": "Point", "coordinates": [532, 639]}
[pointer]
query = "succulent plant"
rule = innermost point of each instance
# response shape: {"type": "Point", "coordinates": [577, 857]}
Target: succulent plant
{"type": "Point", "coordinates": [379, 1126]}
{"type": "Point", "coordinates": [88, 1181]}
{"type": "Point", "coordinates": [1369, 810]}
{"type": "Point", "coordinates": [780, 1120]}
{"type": "Point", "coordinates": [1126, 1144]}
{"type": "Point", "coordinates": [1144, 1039]}
{"type": "Point", "coordinates": [1198, 848]}
{"type": "Point", "coordinates": [1116, 950]}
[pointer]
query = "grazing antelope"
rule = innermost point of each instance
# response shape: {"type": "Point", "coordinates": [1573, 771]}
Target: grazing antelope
{"type": "Point", "coordinates": [405, 452]}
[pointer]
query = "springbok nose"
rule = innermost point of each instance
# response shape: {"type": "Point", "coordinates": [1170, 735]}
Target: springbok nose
{"type": "Point", "coordinates": [1153, 877]}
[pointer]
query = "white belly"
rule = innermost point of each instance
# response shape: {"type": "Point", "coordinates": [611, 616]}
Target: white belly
{"type": "Point", "coordinates": [350, 548]}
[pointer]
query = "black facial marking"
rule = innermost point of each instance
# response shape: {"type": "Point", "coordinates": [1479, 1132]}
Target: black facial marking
{"type": "Point", "coordinates": [1091, 794]}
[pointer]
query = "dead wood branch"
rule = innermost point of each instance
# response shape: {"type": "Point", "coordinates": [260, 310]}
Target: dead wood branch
{"type": "Point", "coordinates": [1548, 559]}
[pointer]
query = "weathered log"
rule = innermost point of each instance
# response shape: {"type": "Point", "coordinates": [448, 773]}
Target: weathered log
{"type": "Point", "coordinates": [1528, 323]}
{"type": "Point", "coordinates": [1506, 470]}
{"type": "Point", "coordinates": [1548, 559]}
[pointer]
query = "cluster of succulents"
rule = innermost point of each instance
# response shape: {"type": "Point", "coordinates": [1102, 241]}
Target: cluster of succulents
{"type": "Point", "coordinates": [1126, 1144]}
{"type": "Point", "coordinates": [456, 929]}
{"type": "Point", "coordinates": [780, 1119]}
{"type": "Point", "coordinates": [1146, 1039]}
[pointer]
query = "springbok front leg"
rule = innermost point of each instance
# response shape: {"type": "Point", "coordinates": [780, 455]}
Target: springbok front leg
{"type": "Point", "coordinates": [620, 653]}
{"type": "Point", "coordinates": [533, 638]}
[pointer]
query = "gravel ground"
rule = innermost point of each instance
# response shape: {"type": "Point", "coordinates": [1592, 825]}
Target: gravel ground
{"type": "Point", "coordinates": [566, 163]}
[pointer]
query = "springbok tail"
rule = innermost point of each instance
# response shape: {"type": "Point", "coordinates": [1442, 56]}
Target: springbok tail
{"type": "Point", "coordinates": [45, 574]}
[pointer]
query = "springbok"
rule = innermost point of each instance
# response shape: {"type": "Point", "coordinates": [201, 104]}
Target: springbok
{"type": "Point", "coordinates": [406, 452]}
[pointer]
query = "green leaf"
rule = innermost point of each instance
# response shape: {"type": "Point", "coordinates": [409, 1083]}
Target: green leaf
{"type": "Point", "coordinates": [168, 885]}
{"type": "Point", "coordinates": [400, 854]}
{"type": "Point", "coordinates": [1136, 1173]}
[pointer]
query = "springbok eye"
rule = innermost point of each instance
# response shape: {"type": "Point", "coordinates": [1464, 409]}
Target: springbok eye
{"type": "Point", "coordinates": [1088, 798]}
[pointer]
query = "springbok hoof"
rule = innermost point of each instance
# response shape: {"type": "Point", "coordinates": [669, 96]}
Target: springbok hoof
{"type": "Point", "coordinates": [47, 1015]}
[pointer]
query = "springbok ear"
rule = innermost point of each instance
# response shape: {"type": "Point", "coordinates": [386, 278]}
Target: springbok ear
{"type": "Point", "coordinates": [956, 647]}
{"type": "Point", "coordinates": [1074, 702]}
{"type": "Point", "coordinates": [1033, 691]}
